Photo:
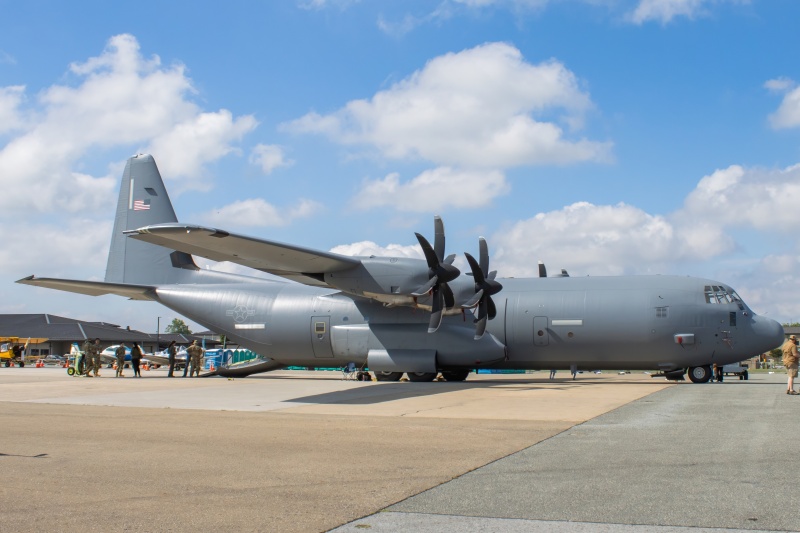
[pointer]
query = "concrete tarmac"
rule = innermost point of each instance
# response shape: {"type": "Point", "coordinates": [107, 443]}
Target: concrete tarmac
{"type": "Point", "coordinates": [306, 451]}
{"type": "Point", "coordinates": [690, 458]}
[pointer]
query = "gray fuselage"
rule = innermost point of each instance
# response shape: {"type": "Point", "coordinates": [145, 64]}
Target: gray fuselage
{"type": "Point", "coordinates": [624, 322]}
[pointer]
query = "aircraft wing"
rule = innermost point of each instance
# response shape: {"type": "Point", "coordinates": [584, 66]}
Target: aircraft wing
{"type": "Point", "coordinates": [288, 261]}
{"type": "Point", "coordinates": [92, 288]}
{"type": "Point", "coordinates": [161, 359]}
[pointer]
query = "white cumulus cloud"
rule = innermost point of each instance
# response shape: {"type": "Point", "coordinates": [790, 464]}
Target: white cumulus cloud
{"type": "Point", "coordinates": [433, 190]}
{"type": "Point", "coordinates": [269, 157]}
{"type": "Point", "coordinates": [664, 11]}
{"type": "Point", "coordinates": [258, 212]}
{"type": "Point", "coordinates": [368, 248]}
{"type": "Point", "coordinates": [616, 239]}
{"type": "Point", "coordinates": [116, 99]}
{"type": "Point", "coordinates": [482, 107]}
{"type": "Point", "coordinates": [584, 238]}
{"type": "Point", "coordinates": [788, 113]}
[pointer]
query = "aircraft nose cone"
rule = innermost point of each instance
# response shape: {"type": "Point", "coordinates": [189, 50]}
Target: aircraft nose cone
{"type": "Point", "coordinates": [769, 333]}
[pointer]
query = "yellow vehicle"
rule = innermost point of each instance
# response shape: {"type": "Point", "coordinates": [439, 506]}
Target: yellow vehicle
{"type": "Point", "coordinates": [12, 349]}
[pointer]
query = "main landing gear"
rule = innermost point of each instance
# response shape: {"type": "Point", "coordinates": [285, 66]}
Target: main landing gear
{"type": "Point", "coordinates": [700, 374]}
{"type": "Point", "coordinates": [423, 377]}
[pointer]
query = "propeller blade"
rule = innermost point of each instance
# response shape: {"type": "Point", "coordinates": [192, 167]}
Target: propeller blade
{"type": "Point", "coordinates": [492, 274]}
{"type": "Point", "coordinates": [472, 302]}
{"type": "Point", "coordinates": [449, 299]}
{"type": "Point", "coordinates": [480, 322]}
{"type": "Point", "coordinates": [425, 289]}
{"type": "Point", "coordinates": [480, 328]}
{"type": "Point", "coordinates": [483, 256]}
{"type": "Point", "coordinates": [491, 309]}
{"type": "Point", "coordinates": [438, 237]}
{"type": "Point", "coordinates": [477, 271]}
{"type": "Point", "coordinates": [542, 270]}
{"type": "Point", "coordinates": [430, 255]}
{"type": "Point", "coordinates": [449, 259]}
{"type": "Point", "coordinates": [436, 310]}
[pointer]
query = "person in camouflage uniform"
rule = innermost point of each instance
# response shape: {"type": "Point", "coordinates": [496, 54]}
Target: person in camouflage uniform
{"type": "Point", "coordinates": [91, 354]}
{"type": "Point", "coordinates": [195, 353]}
{"type": "Point", "coordinates": [120, 353]}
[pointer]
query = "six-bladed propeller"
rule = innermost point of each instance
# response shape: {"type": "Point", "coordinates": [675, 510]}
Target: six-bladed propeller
{"type": "Point", "coordinates": [440, 271]}
{"type": "Point", "coordinates": [485, 287]}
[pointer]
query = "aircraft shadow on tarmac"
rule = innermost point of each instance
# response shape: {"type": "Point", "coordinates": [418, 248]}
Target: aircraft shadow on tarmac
{"type": "Point", "coordinates": [376, 393]}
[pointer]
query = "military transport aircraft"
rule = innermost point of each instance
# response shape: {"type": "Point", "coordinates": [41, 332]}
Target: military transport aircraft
{"type": "Point", "coordinates": [419, 317]}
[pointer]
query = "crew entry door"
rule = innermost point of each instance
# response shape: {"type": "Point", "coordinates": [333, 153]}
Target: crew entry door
{"type": "Point", "coordinates": [321, 336]}
{"type": "Point", "coordinates": [541, 335]}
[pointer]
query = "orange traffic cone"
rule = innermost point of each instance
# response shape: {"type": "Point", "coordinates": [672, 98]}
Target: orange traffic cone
{"type": "Point", "coordinates": [211, 367]}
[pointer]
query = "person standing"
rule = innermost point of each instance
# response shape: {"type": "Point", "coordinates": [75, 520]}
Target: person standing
{"type": "Point", "coordinates": [553, 374]}
{"type": "Point", "coordinates": [790, 359]}
{"type": "Point", "coordinates": [195, 352]}
{"type": "Point", "coordinates": [186, 363]}
{"type": "Point", "coordinates": [91, 354]}
{"type": "Point", "coordinates": [172, 351]}
{"type": "Point", "coordinates": [120, 353]}
{"type": "Point", "coordinates": [96, 357]}
{"type": "Point", "coordinates": [718, 372]}
{"type": "Point", "coordinates": [136, 358]}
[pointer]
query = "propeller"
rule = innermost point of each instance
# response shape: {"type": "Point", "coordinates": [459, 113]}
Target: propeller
{"type": "Point", "coordinates": [440, 271]}
{"type": "Point", "coordinates": [542, 270]}
{"type": "Point", "coordinates": [485, 287]}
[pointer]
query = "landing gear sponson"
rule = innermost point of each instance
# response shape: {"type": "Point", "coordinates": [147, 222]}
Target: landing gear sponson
{"type": "Point", "coordinates": [697, 374]}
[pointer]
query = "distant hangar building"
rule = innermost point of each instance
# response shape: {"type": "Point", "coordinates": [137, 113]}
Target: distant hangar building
{"type": "Point", "coordinates": [61, 332]}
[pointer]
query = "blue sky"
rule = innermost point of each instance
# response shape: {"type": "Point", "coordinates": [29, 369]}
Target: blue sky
{"type": "Point", "coordinates": [604, 137]}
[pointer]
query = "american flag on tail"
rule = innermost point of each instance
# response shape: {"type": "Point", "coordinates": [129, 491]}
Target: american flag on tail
{"type": "Point", "coordinates": [141, 205]}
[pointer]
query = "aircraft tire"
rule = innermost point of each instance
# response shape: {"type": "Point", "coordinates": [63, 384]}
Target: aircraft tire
{"type": "Point", "coordinates": [746, 375]}
{"type": "Point", "coordinates": [421, 377]}
{"type": "Point", "coordinates": [455, 375]}
{"type": "Point", "coordinates": [388, 376]}
{"type": "Point", "coordinates": [700, 374]}
{"type": "Point", "coordinates": [22, 364]}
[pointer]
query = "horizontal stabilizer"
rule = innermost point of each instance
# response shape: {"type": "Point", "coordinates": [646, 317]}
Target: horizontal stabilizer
{"type": "Point", "coordinates": [92, 288]}
{"type": "Point", "coordinates": [289, 261]}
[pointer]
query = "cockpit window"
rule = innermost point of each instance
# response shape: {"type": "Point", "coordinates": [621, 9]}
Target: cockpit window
{"type": "Point", "coordinates": [716, 294]}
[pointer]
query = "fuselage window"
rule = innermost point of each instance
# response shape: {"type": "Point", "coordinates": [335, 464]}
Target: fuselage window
{"type": "Point", "coordinates": [710, 297]}
{"type": "Point", "coordinates": [732, 318]}
{"type": "Point", "coordinates": [715, 294]}
{"type": "Point", "coordinates": [738, 301]}
{"type": "Point", "coordinates": [319, 328]}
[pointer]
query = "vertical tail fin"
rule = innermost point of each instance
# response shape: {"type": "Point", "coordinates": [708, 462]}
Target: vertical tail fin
{"type": "Point", "coordinates": [143, 201]}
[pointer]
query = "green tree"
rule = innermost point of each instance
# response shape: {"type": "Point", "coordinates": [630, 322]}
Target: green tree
{"type": "Point", "coordinates": [177, 326]}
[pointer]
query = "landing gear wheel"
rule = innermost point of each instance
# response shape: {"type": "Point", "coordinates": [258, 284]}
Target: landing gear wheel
{"type": "Point", "coordinates": [388, 376]}
{"type": "Point", "coordinates": [700, 374]}
{"type": "Point", "coordinates": [22, 364]}
{"type": "Point", "coordinates": [70, 371]}
{"type": "Point", "coordinates": [745, 375]}
{"type": "Point", "coordinates": [421, 376]}
{"type": "Point", "coordinates": [8, 364]}
{"type": "Point", "coordinates": [455, 375]}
